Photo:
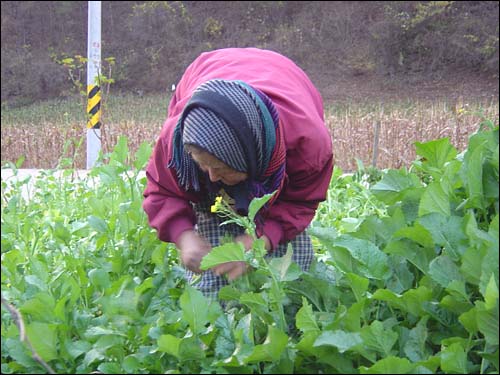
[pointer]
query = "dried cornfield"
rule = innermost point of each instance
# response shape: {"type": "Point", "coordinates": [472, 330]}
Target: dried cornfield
{"type": "Point", "coordinates": [51, 146]}
{"type": "Point", "coordinates": [382, 135]}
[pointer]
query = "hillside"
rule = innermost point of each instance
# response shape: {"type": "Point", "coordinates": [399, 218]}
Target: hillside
{"type": "Point", "coordinates": [351, 49]}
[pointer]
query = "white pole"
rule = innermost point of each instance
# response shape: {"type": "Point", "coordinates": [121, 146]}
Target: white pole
{"type": "Point", "coordinates": [93, 88]}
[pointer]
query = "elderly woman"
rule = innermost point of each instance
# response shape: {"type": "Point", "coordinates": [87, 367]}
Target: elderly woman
{"type": "Point", "coordinates": [243, 122]}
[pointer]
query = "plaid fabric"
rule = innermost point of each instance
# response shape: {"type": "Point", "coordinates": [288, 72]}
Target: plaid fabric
{"type": "Point", "coordinates": [205, 129]}
{"type": "Point", "coordinates": [208, 227]}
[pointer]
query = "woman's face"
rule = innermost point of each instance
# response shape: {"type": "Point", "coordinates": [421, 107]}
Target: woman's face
{"type": "Point", "coordinates": [216, 169]}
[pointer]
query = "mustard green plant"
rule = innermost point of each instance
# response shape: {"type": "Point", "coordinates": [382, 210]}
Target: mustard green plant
{"type": "Point", "coordinates": [254, 257]}
{"type": "Point", "coordinates": [222, 208]}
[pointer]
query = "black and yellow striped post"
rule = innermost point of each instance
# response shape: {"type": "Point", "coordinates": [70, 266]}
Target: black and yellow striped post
{"type": "Point", "coordinates": [93, 107]}
{"type": "Point", "coordinates": [93, 89]}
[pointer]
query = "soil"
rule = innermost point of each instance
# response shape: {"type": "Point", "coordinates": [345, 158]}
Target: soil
{"type": "Point", "coordinates": [465, 85]}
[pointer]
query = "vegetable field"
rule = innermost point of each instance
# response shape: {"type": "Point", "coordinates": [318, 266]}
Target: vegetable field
{"type": "Point", "coordinates": [405, 278]}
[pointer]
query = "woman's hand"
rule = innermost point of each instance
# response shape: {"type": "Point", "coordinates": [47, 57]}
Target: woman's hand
{"type": "Point", "coordinates": [192, 248]}
{"type": "Point", "coordinates": [233, 270]}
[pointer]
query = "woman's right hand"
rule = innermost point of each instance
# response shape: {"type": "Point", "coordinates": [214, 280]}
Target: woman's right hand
{"type": "Point", "coordinates": [192, 249]}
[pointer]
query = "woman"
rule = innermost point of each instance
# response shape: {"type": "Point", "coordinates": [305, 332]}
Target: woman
{"type": "Point", "coordinates": [243, 122]}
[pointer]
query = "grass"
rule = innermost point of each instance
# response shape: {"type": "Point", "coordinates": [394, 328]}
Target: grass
{"type": "Point", "coordinates": [45, 132]}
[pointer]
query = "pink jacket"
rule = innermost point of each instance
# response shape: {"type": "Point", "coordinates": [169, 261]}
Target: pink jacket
{"type": "Point", "coordinates": [308, 144]}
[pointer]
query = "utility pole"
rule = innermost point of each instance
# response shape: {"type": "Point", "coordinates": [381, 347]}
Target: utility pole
{"type": "Point", "coordinates": [93, 85]}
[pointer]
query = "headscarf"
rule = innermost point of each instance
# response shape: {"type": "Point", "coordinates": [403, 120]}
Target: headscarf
{"type": "Point", "coordinates": [239, 125]}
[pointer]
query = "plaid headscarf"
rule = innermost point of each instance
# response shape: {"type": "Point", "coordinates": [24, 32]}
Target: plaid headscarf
{"type": "Point", "coordinates": [239, 125]}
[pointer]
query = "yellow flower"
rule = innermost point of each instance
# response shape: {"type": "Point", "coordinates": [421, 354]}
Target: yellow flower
{"type": "Point", "coordinates": [217, 205]}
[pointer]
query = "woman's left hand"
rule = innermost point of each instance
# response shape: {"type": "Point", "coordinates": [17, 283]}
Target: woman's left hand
{"type": "Point", "coordinates": [233, 270]}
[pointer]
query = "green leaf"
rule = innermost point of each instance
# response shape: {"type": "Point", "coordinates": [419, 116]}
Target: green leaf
{"type": "Point", "coordinates": [394, 185]}
{"type": "Point", "coordinates": [197, 310]}
{"type": "Point", "coordinates": [229, 252]}
{"type": "Point", "coordinates": [457, 288]}
{"type": "Point", "coordinates": [271, 349]}
{"type": "Point", "coordinates": [99, 278]}
{"type": "Point", "coordinates": [109, 368]}
{"type": "Point", "coordinates": [18, 352]}
{"type": "Point", "coordinates": [43, 337]}
{"type": "Point", "coordinates": [491, 294]}
{"type": "Point", "coordinates": [410, 302]}
{"type": "Point", "coordinates": [258, 303]}
{"type": "Point", "coordinates": [93, 355]}
{"type": "Point", "coordinates": [307, 341]}
{"type": "Point", "coordinates": [376, 337]}
{"type": "Point", "coordinates": [20, 161]}
{"type": "Point", "coordinates": [483, 146]}
{"type": "Point", "coordinates": [120, 153]}
{"type": "Point", "coordinates": [40, 307]}
{"type": "Point", "coordinates": [493, 229]}
{"type": "Point", "coordinates": [131, 364]}
{"type": "Point", "coordinates": [434, 199]}
{"type": "Point", "coordinates": [492, 357]}
{"type": "Point", "coordinates": [229, 292]}
{"type": "Point", "coordinates": [415, 346]}
{"type": "Point", "coordinates": [419, 256]}
{"type": "Point", "coordinates": [324, 354]}
{"type": "Point", "coordinates": [94, 331]}
{"type": "Point", "coordinates": [358, 284]}
{"type": "Point", "coordinates": [142, 155]}
{"type": "Point", "coordinates": [77, 348]}
{"type": "Point", "coordinates": [402, 278]}
{"type": "Point", "coordinates": [487, 321]}
{"type": "Point", "coordinates": [41, 270]}
{"type": "Point", "coordinates": [472, 174]}
{"type": "Point", "coordinates": [61, 232]}
{"type": "Point", "coordinates": [472, 265]}
{"type": "Point", "coordinates": [325, 233]}
{"type": "Point", "coordinates": [371, 262]}
{"type": "Point", "coordinates": [489, 266]}
{"type": "Point", "coordinates": [469, 320]}
{"type": "Point", "coordinates": [305, 319]}
{"type": "Point", "coordinates": [454, 359]}
{"type": "Point", "coordinates": [284, 268]}
{"type": "Point", "coordinates": [169, 344]}
{"type": "Point", "coordinates": [394, 181]}
{"type": "Point", "coordinates": [416, 233]}
{"type": "Point", "coordinates": [447, 232]}
{"type": "Point", "coordinates": [490, 181]}
{"type": "Point", "coordinates": [340, 339]}
{"type": "Point", "coordinates": [354, 316]}
{"type": "Point", "coordinates": [257, 203]}
{"type": "Point", "coordinates": [241, 347]}
{"type": "Point", "coordinates": [435, 153]}
{"type": "Point", "coordinates": [389, 365]}
{"type": "Point", "coordinates": [190, 349]}
{"type": "Point", "coordinates": [443, 270]}
{"type": "Point", "coordinates": [97, 223]}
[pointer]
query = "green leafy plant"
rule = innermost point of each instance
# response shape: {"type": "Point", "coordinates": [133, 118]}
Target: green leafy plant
{"type": "Point", "coordinates": [431, 263]}
{"type": "Point", "coordinates": [255, 257]}
{"type": "Point", "coordinates": [412, 291]}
